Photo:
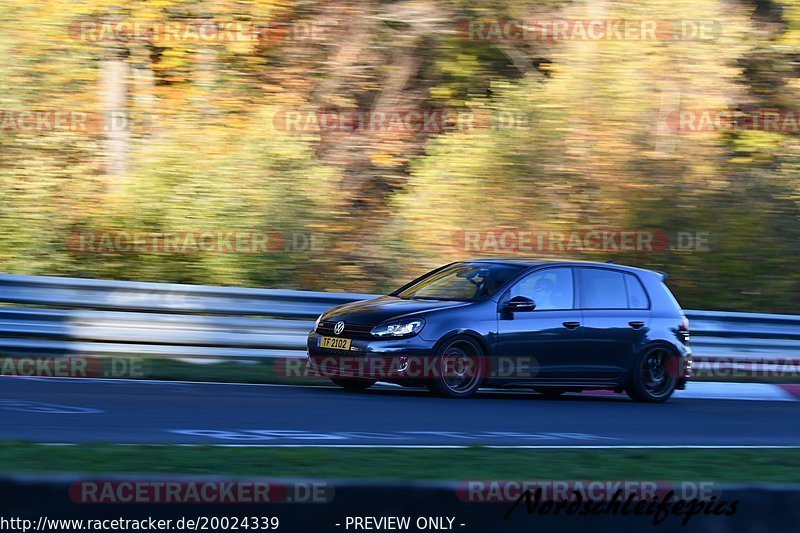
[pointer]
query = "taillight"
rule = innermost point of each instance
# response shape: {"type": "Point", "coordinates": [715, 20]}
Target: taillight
{"type": "Point", "coordinates": [683, 329]}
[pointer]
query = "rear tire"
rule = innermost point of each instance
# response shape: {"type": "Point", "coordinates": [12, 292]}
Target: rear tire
{"type": "Point", "coordinates": [460, 367]}
{"type": "Point", "coordinates": [655, 376]}
{"type": "Point", "coordinates": [353, 384]}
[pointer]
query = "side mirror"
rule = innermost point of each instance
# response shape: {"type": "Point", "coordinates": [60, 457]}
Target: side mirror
{"type": "Point", "coordinates": [520, 304]}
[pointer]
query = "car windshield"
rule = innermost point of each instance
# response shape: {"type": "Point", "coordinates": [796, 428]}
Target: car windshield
{"type": "Point", "coordinates": [461, 282]}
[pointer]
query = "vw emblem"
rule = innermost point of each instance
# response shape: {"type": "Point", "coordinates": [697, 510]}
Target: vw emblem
{"type": "Point", "coordinates": [339, 327]}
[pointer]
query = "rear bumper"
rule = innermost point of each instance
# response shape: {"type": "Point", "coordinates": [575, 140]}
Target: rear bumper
{"type": "Point", "coordinates": [685, 367]}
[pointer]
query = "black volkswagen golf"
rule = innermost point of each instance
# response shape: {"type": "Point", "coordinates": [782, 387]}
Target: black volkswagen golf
{"type": "Point", "coordinates": [553, 327]}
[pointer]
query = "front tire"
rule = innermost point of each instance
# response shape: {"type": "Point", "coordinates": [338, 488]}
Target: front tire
{"type": "Point", "coordinates": [655, 376]}
{"type": "Point", "coordinates": [460, 367]}
{"type": "Point", "coordinates": [353, 384]}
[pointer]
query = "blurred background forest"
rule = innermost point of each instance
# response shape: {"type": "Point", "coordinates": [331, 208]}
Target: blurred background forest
{"type": "Point", "coordinates": [574, 134]}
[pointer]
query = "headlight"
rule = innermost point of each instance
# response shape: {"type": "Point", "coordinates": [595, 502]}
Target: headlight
{"type": "Point", "coordinates": [399, 328]}
{"type": "Point", "coordinates": [316, 324]}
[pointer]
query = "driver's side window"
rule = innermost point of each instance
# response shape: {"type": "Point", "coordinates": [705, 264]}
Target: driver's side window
{"type": "Point", "coordinates": [550, 289]}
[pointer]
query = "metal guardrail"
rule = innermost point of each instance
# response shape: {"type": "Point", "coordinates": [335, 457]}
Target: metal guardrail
{"type": "Point", "coordinates": [167, 297]}
{"type": "Point", "coordinates": [89, 317]}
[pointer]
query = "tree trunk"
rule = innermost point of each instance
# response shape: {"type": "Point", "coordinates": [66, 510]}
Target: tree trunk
{"type": "Point", "coordinates": [114, 73]}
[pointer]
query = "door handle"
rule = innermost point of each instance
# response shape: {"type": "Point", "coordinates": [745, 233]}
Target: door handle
{"type": "Point", "coordinates": [636, 324]}
{"type": "Point", "coordinates": [571, 325]}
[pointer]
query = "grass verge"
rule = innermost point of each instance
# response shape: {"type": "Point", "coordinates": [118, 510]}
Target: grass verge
{"type": "Point", "coordinates": [771, 465]}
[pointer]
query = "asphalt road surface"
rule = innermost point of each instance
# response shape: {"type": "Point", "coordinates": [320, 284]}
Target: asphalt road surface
{"type": "Point", "coordinates": [70, 411]}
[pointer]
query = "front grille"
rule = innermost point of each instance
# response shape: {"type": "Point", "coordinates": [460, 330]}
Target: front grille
{"type": "Point", "coordinates": [351, 331]}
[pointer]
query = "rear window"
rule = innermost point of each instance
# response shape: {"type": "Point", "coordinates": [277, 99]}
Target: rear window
{"type": "Point", "coordinates": [602, 289]}
{"type": "Point", "coordinates": [671, 296]}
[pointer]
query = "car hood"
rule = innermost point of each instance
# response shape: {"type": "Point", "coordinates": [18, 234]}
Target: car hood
{"type": "Point", "coordinates": [378, 310]}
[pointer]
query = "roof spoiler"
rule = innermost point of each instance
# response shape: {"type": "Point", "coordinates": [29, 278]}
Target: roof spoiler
{"type": "Point", "coordinates": [663, 274]}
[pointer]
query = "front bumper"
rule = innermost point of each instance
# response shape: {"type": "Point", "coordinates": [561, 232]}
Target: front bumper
{"type": "Point", "coordinates": [383, 359]}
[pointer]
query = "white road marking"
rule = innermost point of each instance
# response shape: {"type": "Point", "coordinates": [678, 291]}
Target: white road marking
{"type": "Point", "coordinates": [455, 446]}
{"type": "Point", "coordinates": [302, 435]}
{"type": "Point", "coordinates": [48, 408]}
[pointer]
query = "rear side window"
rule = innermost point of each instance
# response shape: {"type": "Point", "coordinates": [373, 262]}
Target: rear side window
{"type": "Point", "coordinates": [637, 298]}
{"type": "Point", "coordinates": [602, 289]}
